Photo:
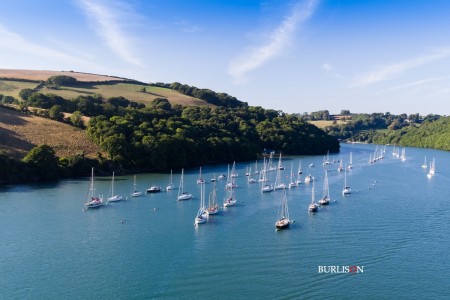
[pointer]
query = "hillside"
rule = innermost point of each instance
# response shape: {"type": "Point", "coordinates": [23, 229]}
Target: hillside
{"type": "Point", "coordinates": [19, 133]}
{"type": "Point", "coordinates": [42, 75]}
{"type": "Point", "coordinates": [13, 81]}
{"type": "Point", "coordinates": [431, 134]}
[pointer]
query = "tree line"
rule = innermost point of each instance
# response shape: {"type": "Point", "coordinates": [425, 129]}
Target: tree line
{"type": "Point", "coordinates": [160, 136]}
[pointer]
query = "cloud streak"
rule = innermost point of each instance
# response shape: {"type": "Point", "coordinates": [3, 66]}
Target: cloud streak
{"type": "Point", "coordinates": [13, 41]}
{"type": "Point", "coordinates": [279, 40]}
{"type": "Point", "coordinates": [389, 71]}
{"type": "Point", "coordinates": [109, 20]}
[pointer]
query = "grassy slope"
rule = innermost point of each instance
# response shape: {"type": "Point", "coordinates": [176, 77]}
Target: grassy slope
{"type": "Point", "coordinates": [12, 88]}
{"type": "Point", "coordinates": [131, 91]}
{"type": "Point", "coordinates": [19, 133]}
{"type": "Point", "coordinates": [322, 124]}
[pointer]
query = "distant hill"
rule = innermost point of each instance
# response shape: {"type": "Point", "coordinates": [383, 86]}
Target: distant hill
{"type": "Point", "coordinates": [431, 134]}
{"type": "Point", "coordinates": [42, 75]}
{"type": "Point", "coordinates": [13, 81]}
{"type": "Point", "coordinates": [19, 133]}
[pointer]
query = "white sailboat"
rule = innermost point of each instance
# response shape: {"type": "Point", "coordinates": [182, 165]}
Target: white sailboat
{"type": "Point", "coordinates": [213, 207]}
{"type": "Point", "coordinates": [230, 182]}
{"type": "Point", "coordinates": [283, 214]}
{"type": "Point", "coordinates": [279, 185]}
{"type": "Point", "coordinates": [292, 183]}
{"type": "Point", "coordinates": [350, 164]}
{"type": "Point", "coordinates": [170, 186]}
{"type": "Point", "coordinates": [200, 179]}
{"type": "Point", "coordinates": [403, 156]}
{"type": "Point", "coordinates": [313, 207]}
{"type": "Point", "coordinates": [432, 170]}
{"type": "Point", "coordinates": [256, 172]}
{"type": "Point", "coordinates": [347, 190]}
{"type": "Point", "coordinates": [230, 198]}
{"type": "Point", "coordinates": [309, 178]}
{"type": "Point", "coordinates": [135, 192]}
{"type": "Point", "coordinates": [424, 165]}
{"type": "Point", "coordinates": [266, 186]}
{"type": "Point", "coordinates": [250, 179]}
{"type": "Point", "coordinates": [112, 197]}
{"type": "Point", "coordinates": [326, 159]}
{"type": "Point", "coordinates": [202, 214]}
{"type": "Point", "coordinates": [326, 192]}
{"type": "Point", "coordinates": [234, 174]}
{"type": "Point", "coordinates": [341, 167]}
{"type": "Point", "coordinates": [92, 201]}
{"type": "Point", "coordinates": [182, 195]}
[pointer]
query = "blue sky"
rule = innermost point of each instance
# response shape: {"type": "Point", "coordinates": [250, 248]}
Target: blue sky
{"type": "Point", "coordinates": [296, 56]}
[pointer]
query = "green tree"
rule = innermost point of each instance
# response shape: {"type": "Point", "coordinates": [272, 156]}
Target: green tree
{"type": "Point", "coordinates": [56, 113]}
{"type": "Point", "coordinates": [76, 119]}
{"type": "Point", "coordinates": [42, 163]}
{"type": "Point", "coordinates": [24, 94]}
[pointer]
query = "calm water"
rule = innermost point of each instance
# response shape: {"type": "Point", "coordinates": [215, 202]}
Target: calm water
{"type": "Point", "coordinates": [396, 224]}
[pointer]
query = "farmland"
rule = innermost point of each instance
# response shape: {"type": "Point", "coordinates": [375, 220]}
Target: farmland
{"type": "Point", "coordinates": [19, 133]}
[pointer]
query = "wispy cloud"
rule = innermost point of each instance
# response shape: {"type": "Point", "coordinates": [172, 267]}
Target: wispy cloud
{"type": "Point", "coordinates": [13, 41]}
{"type": "Point", "coordinates": [388, 71]}
{"type": "Point", "coordinates": [110, 22]}
{"type": "Point", "coordinates": [418, 83]}
{"type": "Point", "coordinates": [326, 67]}
{"type": "Point", "coordinates": [279, 40]}
{"type": "Point", "coordinates": [187, 26]}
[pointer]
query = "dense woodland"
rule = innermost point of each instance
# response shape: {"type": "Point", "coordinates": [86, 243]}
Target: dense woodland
{"type": "Point", "coordinates": [161, 136]}
{"type": "Point", "coordinates": [368, 127]}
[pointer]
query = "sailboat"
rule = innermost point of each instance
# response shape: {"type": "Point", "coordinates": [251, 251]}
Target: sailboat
{"type": "Point", "coordinates": [230, 181]}
{"type": "Point", "coordinates": [171, 186]}
{"type": "Point", "coordinates": [230, 198]}
{"type": "Point", "coordinates": [432, 169]}
{"type": "Point", "coordinates": [278, 184]}
{"type": "Point", "coordinates": [213, 207]}
{"type": "Point", "coordinates": [250, 179]}
{"type": "Point", "coordinates": [326, 192]}
{"type": "Point", "coordinates": [350, 164]}
{"type": "Point", "coordinates": [202, 214]}
{"type": "Point", "coordinates": [326, 159]}
{"type": "Point", "coordinates": [256, 172]}
{"type": "Point", "coordinates": [341, 167]}
{"type": "Point", "coordinates": [292, 183]}
{"type": "Point", "coordinates": [92, 201]}
{"type": "Point", "coordinates": [200, 179]}
{"type": "Point", "coordinates": [283, 214]}
{"type": "Point", "coordinates": [136, 193]}
{"type": "Point", "coordinates": [309, 178]}
{"type": "Point", "coordinates": [347, 190]}
{"type": "Point", "coordinates": [234, 174]}
{"type": "Point", "coordinates": [403, 156]}
{"type": "Point", "coordinates": [424, 165]}
{"type": "Point", "coordinates": [182, 195]}
{"type": "Point", "coordinates": [300, 172]}
{"type": "Point", "coordinates": [112, 197]}
{"type": "Point", "coordinates": [313, 207]}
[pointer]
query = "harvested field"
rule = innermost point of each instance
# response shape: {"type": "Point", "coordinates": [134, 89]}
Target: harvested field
{"type": "Point", "coordinates": [323, 124]}
{"type": "Point", "coordinates": [19, 133]}
{"type": "Point", "coordinates": [42, 75]}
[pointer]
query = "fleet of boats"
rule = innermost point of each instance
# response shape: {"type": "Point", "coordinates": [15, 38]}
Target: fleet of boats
{"type": "Point", "coordinates": [283, 220]}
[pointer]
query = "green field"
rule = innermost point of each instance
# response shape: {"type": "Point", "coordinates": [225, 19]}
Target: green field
{"type": "Point", "coordinates": [323, 124]}
{"type": "Point", "coordinates": [130, 91]}
{"type": "Point", "coordinates": [12, 87]}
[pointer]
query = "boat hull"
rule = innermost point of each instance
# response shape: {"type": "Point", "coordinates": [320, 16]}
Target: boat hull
{"type": "Point", "coordinates": [184, 197]}
{"type": "Point", "coordinates": [282, 224]}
